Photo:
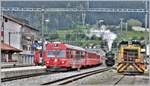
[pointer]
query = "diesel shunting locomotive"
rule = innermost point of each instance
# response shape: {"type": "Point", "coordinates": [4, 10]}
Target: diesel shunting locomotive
{"type": "Point", "coordinates": [129, 58]}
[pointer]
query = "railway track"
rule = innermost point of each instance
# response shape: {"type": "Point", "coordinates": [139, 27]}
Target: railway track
{"type": "Point", "coordinates": [128, 79]}
{"type": "Point", "coordinates": [22, 77]}
{"type": "Point", "coordinates": [117, 82]}
{"type": "Point", "coordinates": [70, 79]}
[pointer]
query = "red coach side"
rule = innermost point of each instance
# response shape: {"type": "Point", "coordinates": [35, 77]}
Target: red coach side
{"type": "Point", "coordinates": [61, 56]}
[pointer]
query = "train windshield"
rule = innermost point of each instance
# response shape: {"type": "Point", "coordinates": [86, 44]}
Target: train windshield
{"type": "Point", "coordinates": [56, 53]}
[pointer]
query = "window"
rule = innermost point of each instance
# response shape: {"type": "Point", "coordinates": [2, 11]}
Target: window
{"type": "Point", "coordinates": [56, 53]}
{"type": "Point", "coordinates": [78, 54]}
{"type": "Point", "coordinates": [29, 49]}
{"type": "Point", "coordinates": [6, 20]}
{"type": "Point", "coordinates": [24, 47]}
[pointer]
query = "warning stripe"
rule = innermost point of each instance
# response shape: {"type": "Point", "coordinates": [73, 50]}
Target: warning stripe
{"type": "Point", "coordinates": [119, 66]}
{"type": "Point", "coordinates": [138, 68]}
{"type": "Point", "coordinates": [124, 67]}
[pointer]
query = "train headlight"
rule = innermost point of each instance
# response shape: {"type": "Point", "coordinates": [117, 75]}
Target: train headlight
{"type": "Point", "coordinates": [122, 60]}
{"type": "Point", "coordinates": [137, 60]}
{"type": "Point", "coordinates": [62, 62]}
{"type": "Point", "coordinates": [55, 60]}
{"type": "Point", "coordinates": [47, 62]}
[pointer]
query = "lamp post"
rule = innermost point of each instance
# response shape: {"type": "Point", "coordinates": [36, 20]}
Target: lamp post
{"type": "Point", "coordinates": [146, 17]}
{"type": "Point", "coordinates": [46, 21]}
{"type": "Point", "coordinates": [121, 21]}
{"type": "Point", "coordinates": [126, 25]}
{"type": "Point", "coordinates": [149, 34]}
{"type": "Point", "coordinates": [41, 59]}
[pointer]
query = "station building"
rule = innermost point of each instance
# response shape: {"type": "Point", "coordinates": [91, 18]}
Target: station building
{"type": "Point", "coordinates": [17, 39]}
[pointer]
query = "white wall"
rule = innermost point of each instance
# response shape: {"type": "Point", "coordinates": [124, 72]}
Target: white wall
{"type": "Point", "coordinates": [15, 38]}
{"type": "Point", "coordinates": [25, 57]}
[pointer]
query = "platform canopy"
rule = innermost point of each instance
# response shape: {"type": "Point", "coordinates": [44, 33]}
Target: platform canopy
{"type": "Point", "coordinates": [7, 48]}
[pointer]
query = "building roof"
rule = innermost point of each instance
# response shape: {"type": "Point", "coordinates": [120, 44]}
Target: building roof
{"type": "Point", "coordinates": [6, 47]}
{"type": "Point", "coordinates": [19, 21]}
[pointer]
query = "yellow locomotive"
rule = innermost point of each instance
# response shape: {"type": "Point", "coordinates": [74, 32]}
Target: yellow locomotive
{"type": "Point", "coordinates": [129, 58]}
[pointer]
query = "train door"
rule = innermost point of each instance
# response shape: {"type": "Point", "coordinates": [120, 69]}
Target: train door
{"type": "Point", "coordinates": [69, 56]}
{"type": "Point", "coordinates": [77, 59]}
{"type": "Point", "coordinates": [40, 57]}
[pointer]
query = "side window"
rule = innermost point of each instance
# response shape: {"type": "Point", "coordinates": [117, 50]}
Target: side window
{"type": "Point", "coordinates": [83, 54]}
{"type": "Point", "coordinates": [68, 54]}
{"type": "Point", "coordinates": [78, 54]}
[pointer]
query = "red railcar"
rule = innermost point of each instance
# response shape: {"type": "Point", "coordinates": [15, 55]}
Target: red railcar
{"type": "Point", "coordinates": [38, 56]}
{"type": "Point", "coordinates": [61, 56]}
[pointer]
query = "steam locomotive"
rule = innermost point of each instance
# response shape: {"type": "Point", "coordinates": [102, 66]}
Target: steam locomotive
{"type": "Point", "coordinates": [109, 61]}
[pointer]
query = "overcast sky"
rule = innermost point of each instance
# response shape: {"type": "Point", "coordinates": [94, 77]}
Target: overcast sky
{"type": "Point", "coordinates": [74, 0]}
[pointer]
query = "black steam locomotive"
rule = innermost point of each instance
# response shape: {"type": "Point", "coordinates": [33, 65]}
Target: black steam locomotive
{"type": "Point", "coordinates": [110, 58]}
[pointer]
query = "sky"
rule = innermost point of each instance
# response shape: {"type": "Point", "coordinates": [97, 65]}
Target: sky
{"type": "Point", "coordinates": [73, 0]}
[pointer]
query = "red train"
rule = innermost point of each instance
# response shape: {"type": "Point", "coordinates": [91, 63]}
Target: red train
{"type": "Point", "coordinates": [61, 56]}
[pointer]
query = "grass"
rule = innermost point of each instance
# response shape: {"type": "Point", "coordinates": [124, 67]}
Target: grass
{"type": "Point", "coordinates": [131, 35]}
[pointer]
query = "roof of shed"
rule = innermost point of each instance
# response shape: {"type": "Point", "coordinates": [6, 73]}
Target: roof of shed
{"type": "Point", "coordinates": [6, 47]}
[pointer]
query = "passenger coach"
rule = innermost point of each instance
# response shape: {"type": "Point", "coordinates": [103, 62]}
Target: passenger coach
{"type": "Point", "coordinates": [61, 56]}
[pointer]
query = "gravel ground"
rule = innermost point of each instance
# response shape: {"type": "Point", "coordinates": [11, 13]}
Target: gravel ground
{"type": "Point", "coordinates": [110, 77]}
{"type": "Point", "coordinates": [36, 81]}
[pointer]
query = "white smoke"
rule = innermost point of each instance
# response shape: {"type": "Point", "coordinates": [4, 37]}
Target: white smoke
{"type": "Point", "coordinates": [109, 37]}
{"type": "Point", "coordinates": [105, 34]}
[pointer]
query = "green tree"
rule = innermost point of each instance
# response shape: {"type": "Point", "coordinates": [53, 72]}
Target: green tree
{"type": "Point", "coordinates": [134, 22]}
{"type": "Point", "coordinates": [53, 36]}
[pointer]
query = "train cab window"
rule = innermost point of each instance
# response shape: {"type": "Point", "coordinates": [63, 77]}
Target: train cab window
{"type": "Point", "coordinates": [56, 53]}
{"type": "Point", "coordinates": [130, 53]}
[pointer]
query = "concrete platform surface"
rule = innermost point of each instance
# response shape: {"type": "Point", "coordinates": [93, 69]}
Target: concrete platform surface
{"type": "Point", "coordinates": [12, 72]}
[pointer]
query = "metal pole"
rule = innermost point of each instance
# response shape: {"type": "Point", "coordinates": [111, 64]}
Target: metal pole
{"type": "Point", "coordinates": [46, 27]}
{"type": "Point", "coordinates": [1, 20]}
{"type": "Point", "coordinates": [146, 14]}
{"type": "Point", "coordinates": [42, 36]}
{"type": "Point", "coordinates": [121, 19]}
{"type": "Point", "coordinates": [9, 36]}
{"type": "Point", "coordinates": [83, 18]}
{"type": "Point", "coordinates": [126, 27]}
{"type": "Point", "coordinates": [149, 36]}
{"type": "Point", "coordinates": [146, 37]}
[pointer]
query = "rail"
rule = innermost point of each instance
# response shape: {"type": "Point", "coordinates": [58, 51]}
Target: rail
{"type": "Point", "coordinates": [69, 79]}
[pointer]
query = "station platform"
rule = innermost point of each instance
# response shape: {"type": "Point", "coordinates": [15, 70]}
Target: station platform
{"type": "Point", "coordinates": [14, 64]}
{"type": "Point", "coordinates": [12, 72]}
